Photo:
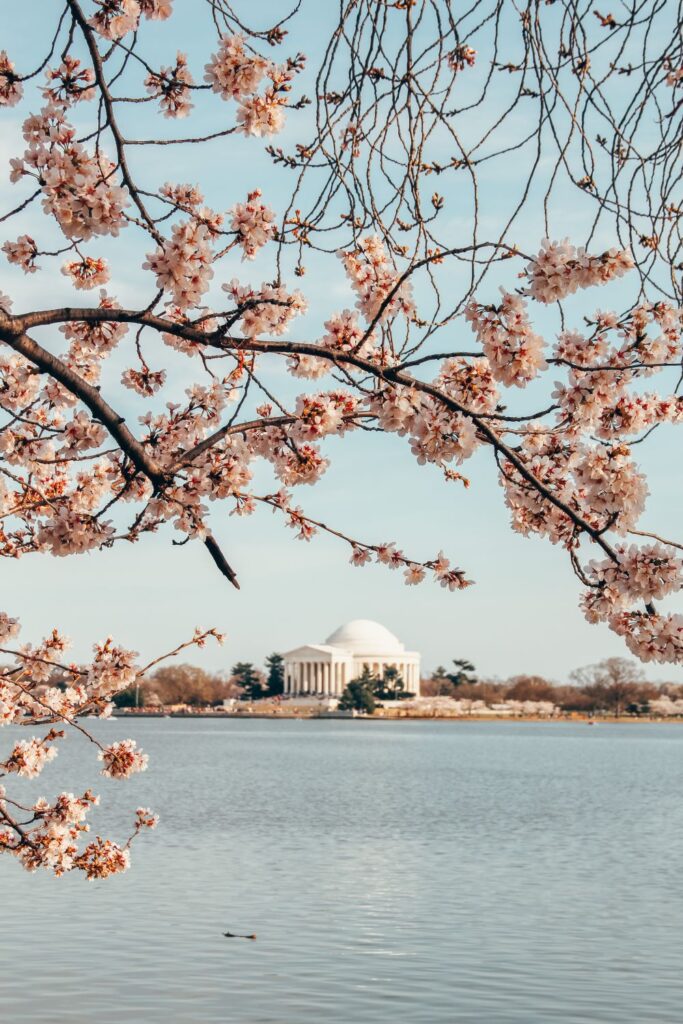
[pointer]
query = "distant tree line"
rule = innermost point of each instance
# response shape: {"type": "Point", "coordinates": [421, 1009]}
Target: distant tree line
{"type": "Point", "coordinates": [187, 684]}
{"type": "Point", "coordinates": [613, 686]}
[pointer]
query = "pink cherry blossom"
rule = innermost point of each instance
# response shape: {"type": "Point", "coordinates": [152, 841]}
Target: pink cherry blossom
{"type": "Point", "coordinates": [69, 83]}
{"type": "Point", "coordinates": [171, 86]}
{"type": "Point", "coordinates": [254, 223]}
{"type": "Point", "coordinates": [380, 290]}
{"type": "Point", "coordinates": [183, 265]}
{"type": "Point", "coordinates": [123, 759]}
{"type": "Point", "coordinates": [262, 115]}
{"type": "Point", "coordinates": [514, 351]}
{"type": "Point", "coordinates": [87, 273]}
{"type": "Point", "coordinates": [102, 858]}
{"type": "Point", "coordinates": [232, 72]}
{"type": "Point", "coordinates": [115, 18]}
{"type": "Point", "coordinates": [22, 253]}
{"type": "Point", "coordinates": [29, 757]}
{"type": "Point", "coordinates": [560, 269]}
{"type": "Point", "coordinates": [11, 89]}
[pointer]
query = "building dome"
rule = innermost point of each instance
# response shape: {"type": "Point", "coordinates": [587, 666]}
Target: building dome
{"type": "Point", "coordinates": [363, 636]}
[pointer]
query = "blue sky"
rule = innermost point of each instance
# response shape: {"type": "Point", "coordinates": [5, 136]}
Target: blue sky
{"type": "Point", "coordinates": [521, 616]}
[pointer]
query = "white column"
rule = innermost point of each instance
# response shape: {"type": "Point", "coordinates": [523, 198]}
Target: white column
{"type": "Point", "coordinates": [288, 670]}
{"type": "Point", "coordinates": [326, 679]}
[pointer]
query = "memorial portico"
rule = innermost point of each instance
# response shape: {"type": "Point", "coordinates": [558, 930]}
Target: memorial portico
{"type": "Point", "coordinates": [326, 669]}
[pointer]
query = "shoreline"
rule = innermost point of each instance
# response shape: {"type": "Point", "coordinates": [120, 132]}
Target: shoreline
{"type": "Point", "coordinates": [279, 716]}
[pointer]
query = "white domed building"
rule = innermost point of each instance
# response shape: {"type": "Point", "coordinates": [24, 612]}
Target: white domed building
{"type": "Point", "coordinates": [325, 669]}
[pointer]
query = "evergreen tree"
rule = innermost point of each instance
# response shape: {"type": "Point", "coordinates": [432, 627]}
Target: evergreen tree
{"type": "Point", "coordinates": [391, 686]}
{"type": "Point", "coordinates": [246, 676]}
{"type": "Point", "coordinates": [441, 680]}
{"type": "Point", "coordinates": [275, 682]}
{"type": "Point", "coordinates": [464, 672]}
{"type": "Point", "coordinates": [358, 696]}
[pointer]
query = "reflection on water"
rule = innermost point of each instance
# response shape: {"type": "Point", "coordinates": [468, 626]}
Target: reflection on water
{"type": "Point", "coordinates": [497, 873]}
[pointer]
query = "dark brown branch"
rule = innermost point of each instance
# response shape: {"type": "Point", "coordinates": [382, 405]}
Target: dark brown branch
{"type": "Point", "coordinates": [220, 560]}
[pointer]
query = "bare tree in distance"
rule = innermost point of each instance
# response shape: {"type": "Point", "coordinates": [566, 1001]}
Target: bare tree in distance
{"type": "Point", "coordinates": [612, 682]}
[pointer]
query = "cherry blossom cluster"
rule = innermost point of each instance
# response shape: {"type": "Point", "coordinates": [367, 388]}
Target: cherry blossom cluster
{"type": "Point", "coordinates": [87, 273]}
{"type": "Point", "coordinates": [183, 264]}
{"type": "Point", "coordinates": [254, 223]}
{"type": "Point", "coordinates": [269, 309]}
{"type": "Point", "coordinates": [171, 86]}
{"type": "Point", "coordinates": [597, 484]}
{"type": "Point", "coordinates": [666, 706]}
{"type": "Point", "coordinates": [47, 835]}
{"type": "Point", "coordinates": [645, 574]}
{"type": "Point", "coordinates": [22, 253]}
{"type": "Point", "coordinates": [29, 757]}
{"type": "Point", "coordinates": [435, 433]}
{"type": "Point", "coordinates": [381, 291]}
{"type": "Point", "coordinates": [69, 83]}
{"type": "Point", "coordinates": [560, 269]}
{"type": "Point", "coordinates": [513, 349]}
{"type": "Point", "coordinates": [651, 636]}
{"type": "Point", "coordinates": [116, 18]}
{"type": "Point", "coordinates": [234, 73]}
{"type": "Point", "coordinates": [470, 382]}
{"type": "Point", "coordinates": [11, 89]}
{"type": "Point", "coordinates": [79, 188]}
{"type": "Point", "coordinates": [596, 394]}
{"type": "Point", "coordinates": [121, 760]}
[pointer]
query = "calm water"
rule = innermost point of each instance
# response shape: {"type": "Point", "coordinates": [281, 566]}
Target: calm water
{"type": "Point", "coordinates": [411, 872]}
